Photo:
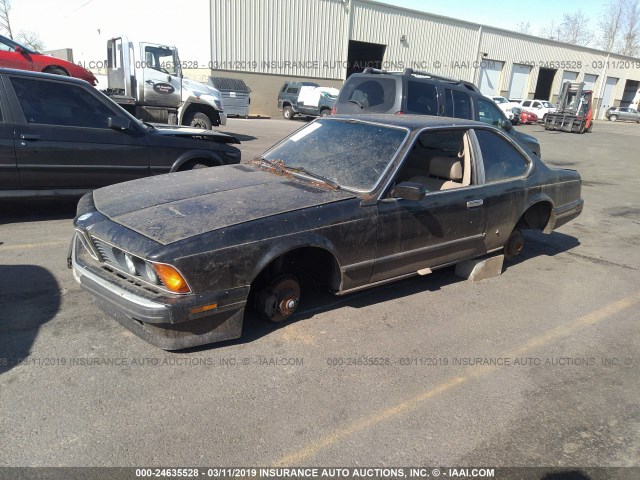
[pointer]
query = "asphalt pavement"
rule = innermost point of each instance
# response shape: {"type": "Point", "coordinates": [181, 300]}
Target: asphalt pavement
{"type": "Point", "coordinates": [536, 367]}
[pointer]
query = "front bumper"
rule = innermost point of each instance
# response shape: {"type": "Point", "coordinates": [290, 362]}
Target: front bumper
{"type": "Point", "coordinates": [164, 321]}
{"type": "Point", "coordinates": [223, 118]}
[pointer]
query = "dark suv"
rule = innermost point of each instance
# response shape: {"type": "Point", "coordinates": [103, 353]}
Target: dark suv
{"type": "Point", "coordinates": [305, 98]}
{"type": "Point", "coordinates": [421, 93]}
{"type": "Point", "coordinates": [61, 136]}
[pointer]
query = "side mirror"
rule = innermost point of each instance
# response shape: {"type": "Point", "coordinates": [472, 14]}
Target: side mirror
{"type": "Point", "coordinates": [409, 191]}
{"type": "Point", "coordinates": [507, 126]}
{"type": "Point", "coordinates": [19, 49]}
{"type": "Point", "coordinates": [118, 123]}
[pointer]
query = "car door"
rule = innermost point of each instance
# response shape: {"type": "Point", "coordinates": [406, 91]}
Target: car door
{"type": "Point", "coordinates": [9, 177]}
{"type": "Point", "coordinates": [445, 226]}
{"type": "Point", "coordinates": [161, 82]}
{"type": "Point", "coordinates": [503, 169]}
{"type": "Point", "coordinates": [62, 138]}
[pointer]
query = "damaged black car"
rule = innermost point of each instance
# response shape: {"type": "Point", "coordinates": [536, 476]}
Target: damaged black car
{"type": "Point", "coordinates": [59, 136]}
{"type": "Point", "coordinates": [348, 201]}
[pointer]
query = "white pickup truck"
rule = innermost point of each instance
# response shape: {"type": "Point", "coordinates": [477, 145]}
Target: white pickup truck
{"type": "Point", "coordinates": [511, 109]}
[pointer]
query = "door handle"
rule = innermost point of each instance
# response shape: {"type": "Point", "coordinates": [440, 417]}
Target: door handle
{"type": "Point", "coordinates": [475, 203]}
{"type": "Point", "coordinates": [150, 82]}
{"type": "Point", "coordinates": [29, 136]}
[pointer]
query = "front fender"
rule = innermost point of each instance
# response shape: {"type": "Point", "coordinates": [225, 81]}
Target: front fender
{"type": "Point", "coordinates": [306, 239]}
{"type": "Point", "coordinates": [212, 157]}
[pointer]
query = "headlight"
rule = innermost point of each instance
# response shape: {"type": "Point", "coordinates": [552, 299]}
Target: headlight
{"type": "Point", "coordinates": [218, 104]}
{"type": "Point", "coordinates": [150, 273]}
{"type": "Point", "coordinates": [128, 260]}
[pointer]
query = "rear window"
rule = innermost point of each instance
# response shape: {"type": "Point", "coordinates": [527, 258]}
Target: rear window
{"type": "Point", "coordinates": [365, 94]}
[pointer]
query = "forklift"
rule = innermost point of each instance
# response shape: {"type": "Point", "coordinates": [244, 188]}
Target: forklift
{"type": "Point", "coordinates": [574, 112]}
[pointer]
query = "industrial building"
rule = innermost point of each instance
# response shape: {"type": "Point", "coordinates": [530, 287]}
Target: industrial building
{"type": "Point", "coordinates": [265, 42]}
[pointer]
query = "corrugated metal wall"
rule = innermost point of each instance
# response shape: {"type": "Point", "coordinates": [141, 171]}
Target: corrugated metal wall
{"type": "Point", "coordinates": [433, 44]}
{"type": "Point", "coordinates": [516, 48]}
{"type": "Point", "coordinates": [261, 36]}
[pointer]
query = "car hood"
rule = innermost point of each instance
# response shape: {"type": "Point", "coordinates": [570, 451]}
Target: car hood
{"type": "Point", "coordinates": [172, 207]}
{"type": "Point", "coordinates": [190, 132]}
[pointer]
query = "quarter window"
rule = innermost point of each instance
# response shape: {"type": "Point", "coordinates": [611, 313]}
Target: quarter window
{"type": "Point", "coordinates": [54, 103]}
{"type": "Point", "coordinates": [501, 159]}
{"type": "Point", "coordinates": [293, 90]}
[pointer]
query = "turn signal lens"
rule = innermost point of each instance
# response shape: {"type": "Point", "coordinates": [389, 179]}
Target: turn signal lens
{"type": "Point", "coordinates": [171, 278]}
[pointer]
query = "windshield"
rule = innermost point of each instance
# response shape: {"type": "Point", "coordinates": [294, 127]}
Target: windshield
{"type": "Point", "coordinates": [12, 44]}
{"type": "Point", "coordinates": [547, 105]}
{"type": "Point", "coordinates": [352, 154]}
{"type": "Point", "coordinates": [500, 100]}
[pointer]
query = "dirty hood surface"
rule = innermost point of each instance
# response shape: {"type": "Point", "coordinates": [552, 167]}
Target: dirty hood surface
{"type": "Point", "coordinates": [172, 207]}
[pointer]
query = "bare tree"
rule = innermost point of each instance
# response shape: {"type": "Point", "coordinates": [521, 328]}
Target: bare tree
{"type": "Point", "coordinates": [609, 24]}
{"type": "Point", "coordinates": [524, 27]}
{"type": "Point", "coordinates": [5, 22]}
{"type": "Point", "coordinates": [552, 32]}
{"type": "Point", "coordinates": [31, 40]}
{"type": "Point", "coordinates": [575, 29]}
{"type": "Point", "coordinates": [630, 32]}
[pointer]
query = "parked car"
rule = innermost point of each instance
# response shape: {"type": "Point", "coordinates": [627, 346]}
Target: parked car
{"type": "Point", "coordinates": [307, 99]}
{"type": "Point", "coordinates": [512, 110]}
{"type": "Point", "coordinates": [539, 107]}
{"type": "Point", "coordinates": [347, 202]}
{"type": "Point", "coordinates": [528, 117]}
{"type": "Point", "coordinates": [14, 55]}
{"type": "Point", "coordinates": [422, 93]}
{"type": "Point", "coordinates": [61, 136]}
{"type": "Point", "coordinates": [623, 113]}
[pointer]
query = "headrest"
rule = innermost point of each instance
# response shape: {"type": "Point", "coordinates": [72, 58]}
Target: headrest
{"type": "Point", "coordinates": [449, 168]}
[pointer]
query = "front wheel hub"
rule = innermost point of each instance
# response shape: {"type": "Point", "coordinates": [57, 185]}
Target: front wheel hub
{"type": "Point", "coordinates": [280, 299]}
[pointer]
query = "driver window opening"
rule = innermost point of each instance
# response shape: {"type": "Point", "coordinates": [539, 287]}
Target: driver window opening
{"type": "Point", "coordinates": [439, 160]}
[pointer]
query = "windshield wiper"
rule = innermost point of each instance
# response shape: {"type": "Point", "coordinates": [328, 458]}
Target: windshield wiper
{"type": "Point", "coordinates": [277, 164]}
{"type": "Point", "coordinates": [315, 176]}
{"type": "Point", "coordinates": [281, 167]}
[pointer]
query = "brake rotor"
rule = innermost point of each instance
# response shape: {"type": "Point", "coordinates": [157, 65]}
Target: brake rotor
{"type": "Point", "coordinates": [284, 298]}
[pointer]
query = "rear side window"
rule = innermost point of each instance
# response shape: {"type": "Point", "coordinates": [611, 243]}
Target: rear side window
{"type": "Point", "coordinates": [54, 103]}
{"type": "Point", "coordinates": [365, 94]}
{"type": "Point", "coordinates": [501, 159]}
{"type": "Point", "coordinates": [293, 90]}
{"type": "Point", "coordinates": [422, 98]}
{"type": "Point", "coordinates": [457, 104]}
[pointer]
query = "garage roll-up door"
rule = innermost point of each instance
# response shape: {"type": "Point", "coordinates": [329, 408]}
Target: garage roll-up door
{"type": "Point", "coordinates": [519, 81]}
{"type": "Point", "coordinates": [490, 77]}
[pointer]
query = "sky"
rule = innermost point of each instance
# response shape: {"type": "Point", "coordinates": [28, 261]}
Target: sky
{"type": "Point", "coordinates": [86, 25]}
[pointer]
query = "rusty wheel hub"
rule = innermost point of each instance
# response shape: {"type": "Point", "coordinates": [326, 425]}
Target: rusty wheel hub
{"type": "Point", "coordinates": [280, 299]}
